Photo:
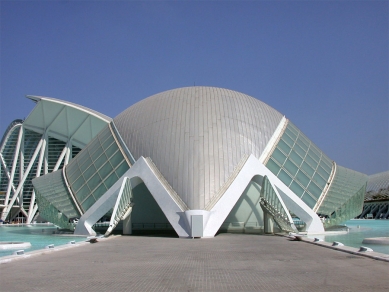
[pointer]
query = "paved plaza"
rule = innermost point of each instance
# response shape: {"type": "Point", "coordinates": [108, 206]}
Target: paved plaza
{"type": "Point", "coordinates": [228, 262]}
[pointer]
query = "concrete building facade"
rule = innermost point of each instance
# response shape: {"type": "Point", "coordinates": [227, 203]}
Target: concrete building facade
{"type": "Point", "coordinates": [200, 160]}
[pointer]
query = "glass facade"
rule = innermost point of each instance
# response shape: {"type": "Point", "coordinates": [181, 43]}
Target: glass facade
{"type": "Point", "coordinates": [54, 200]}
{"type": "Point", "coordinates": [300, 165]}
{"type": "Point", "coordinates": [122, 205]}
{"type": "Point", "coordinates": [96, 168]}
{"type": "Point", "coordinates": [344, 199]}
{"type": "Point", "coordinates": [31, 140]}
{"type": "Point", "coordinates": [272, 204]}
{"type": "Point", "coordinates": [7, 152]}
{"type": "Point", "coordinates": [29, 143]}
{"type": "Point", "coordinates": [53, 153]}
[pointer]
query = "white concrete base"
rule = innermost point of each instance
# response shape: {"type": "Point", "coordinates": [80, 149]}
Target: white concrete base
{"type": "Point", "coordinates": [212, 219]}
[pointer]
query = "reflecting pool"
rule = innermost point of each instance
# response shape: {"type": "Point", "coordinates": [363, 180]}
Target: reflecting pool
{"type": "Point", "coordinates": [359, 230]}
{"type": "Point", "coordinates": [39, 235]}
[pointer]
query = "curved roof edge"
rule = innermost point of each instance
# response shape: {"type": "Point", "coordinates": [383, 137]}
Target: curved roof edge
{"type": "Point", "coordinates": [64, 120]}
{"type": "Point", "coordinates": [74, 105]}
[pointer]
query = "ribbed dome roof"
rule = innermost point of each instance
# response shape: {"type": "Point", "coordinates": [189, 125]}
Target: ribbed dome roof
{"type": "Point", "coordinates": [196, 136]}
{"type": "Point", "coordinates": [378, 181]}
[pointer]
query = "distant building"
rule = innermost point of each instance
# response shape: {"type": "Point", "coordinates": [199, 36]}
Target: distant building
{"type": "Point", "coordinates": [53, 133]}
{"type": "Point", "coordinates": [377, 197]}
{"type": "Point", "coordinates": [200, 160]}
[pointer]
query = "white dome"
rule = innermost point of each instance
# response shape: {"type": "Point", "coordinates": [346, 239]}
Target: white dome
{"type": "Point", "coordinates": [196, 136]}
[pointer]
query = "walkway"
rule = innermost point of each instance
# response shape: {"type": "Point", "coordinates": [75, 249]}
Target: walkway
{"type": "Point", "coordinates": [226, 263]}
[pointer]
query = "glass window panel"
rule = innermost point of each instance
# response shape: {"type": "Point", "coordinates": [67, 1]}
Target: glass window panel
{"type": "Point", "coordinates": [297, 189]}
{"type": "Point", "coordinates": [93, 147]}
{"type": "Point", "coordinates": [288, 140]}
{"type": "Point", "coordinates": [322, 172]}
{"type": "Point", "coordinates": [300, 151]}
{"type": "Point", "coordinates": [313, 155]}
{"type": "Point", "coordinates": [293, 128]}
{"type": "Point", "coordinates": [315, 150]}
{"type": "Point", "coordinates": [83, 153]}
{"type": "Point", "coordinates": [105, 170]}
{"type": "Point", "coordinates": [327, 161]}
{"type": "Point", "coordinates": [104, 134]}
{"type": "Point", "coordinates": [314, 190]}
{"type": "Point", "coordinates": [278, 156]}
{"type": "Point", "coordinates": [272, 166]}
{"type": "Point", "coordinates": [116, 159]}
{"type": "Point", "coordinates": [291, 167]}
{"type": "Point", "coordinates": [88, 203]}
{"type": "Point", "coordinates": [307, 199]}
{"type": "Point", "coordinates": [94, 181]}
{"type": "Point", "coordinates": [73, 172]}
{"type": "Point", "coordinates": [100, 161]}
{"type": "Point", "coordinates": [305, 140]}
{"type": "Point", "coordinates": [83, 193]}
{"type": "Point", "coordinates": [302, 145]}
{"type": "Point", "coordinates": [85, 162]}
{"type": "Point", "coordinates": [107, 142]}
{"type": "Point", "coordinates": [97, 153]}
{"type": "Point", "coordinates": [111, 180]}
{"type": "Point", "coordinates": [78, 183]}
{"type": "Point", "coordinates": [284, 147]}
{"type": "Point", "coordinates": [284, 177]}
{"type": "Point", "coordinates": [111, 150]}
{"type": "Point", "coordinates": [292, 135]}
{"type": "Point", "coordinates": [311, 162]}
{"type": "Point", "coordinates": [295, 158]}
{"type": "Point", "coordinates": [97, 193]}
{"type": "Point", "coordinates": [319, 180]}
{"type": "Point", "coordinates": [123, 168]}
{"type": "Point", "coordinates": [302, 178]}
{"type": "Point", "coordinates": [326, 165]}
{"type": "Point", "coordinates": [308, 170]}
{"type": "Point", "coordinates": [89, 172]}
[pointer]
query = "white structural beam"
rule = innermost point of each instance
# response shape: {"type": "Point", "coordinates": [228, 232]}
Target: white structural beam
{"type": "Point", "coordinates": [14, 164]}
{"type": "Point", "coordinates": [61, 157]}
{"type": "Point", "coordinates": [12, 174]}
{"type": "Point", "coordinates": [251, 168]}
{"type": "Point", "coordinates": [42, 159]}
{"type": "Point", "coordinates": [15, 195]}
{"type": "Point", "coordinates": [32, 213]}
{"type": "Point", "coordinates": [212, 220]}
{"type": "Point", "coordinates": [141, 170]}
{"type": "Point", "coordinates": [7, 172]}
{"type": "Point", "coordinates": [57, 119]}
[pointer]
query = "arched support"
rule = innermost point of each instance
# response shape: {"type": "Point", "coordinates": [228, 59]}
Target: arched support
{"type": "Point", "coordinates": [251, 168]}
{"type": "Point", "coordinates": [141, 170]}
{"type": "Point", "coordinates": [182, 220]}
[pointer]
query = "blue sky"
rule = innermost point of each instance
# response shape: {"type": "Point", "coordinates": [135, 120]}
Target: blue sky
{"type": "Point", "coordinates": [323, 64]}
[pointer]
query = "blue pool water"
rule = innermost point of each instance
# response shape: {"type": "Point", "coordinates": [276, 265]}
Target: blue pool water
{"type": "Point", "coordinates": [360, 229]}
{"type": "Point", "coordinates": [39, 235]}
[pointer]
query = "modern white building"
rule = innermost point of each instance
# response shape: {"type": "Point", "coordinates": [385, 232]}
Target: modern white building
{"type": "Point", "coordinates": [53, 133]}
{"type": "Point", "coordinates": [200, 160]}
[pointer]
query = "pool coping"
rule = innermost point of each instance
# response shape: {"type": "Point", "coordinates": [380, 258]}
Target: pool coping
{"type": "Point", "coordinates": [340, 247]}
{"type": "Point", "coordinates": [15, 257]}
{"type": "Point", "coordinates": [294, 237]}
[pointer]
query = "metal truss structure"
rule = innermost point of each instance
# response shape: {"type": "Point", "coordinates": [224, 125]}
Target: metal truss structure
{"type": "Point", "coordinates": [53, 134]}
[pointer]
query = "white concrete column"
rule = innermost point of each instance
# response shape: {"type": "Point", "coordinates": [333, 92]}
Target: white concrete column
{"type": "Point", "coordinates": [268, 222]}
{"type": "Point", "coordinates": [127, 225]}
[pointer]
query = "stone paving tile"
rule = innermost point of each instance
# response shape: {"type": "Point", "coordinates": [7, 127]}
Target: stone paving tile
{"type": "Point", "coordinates": [228, 262]}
